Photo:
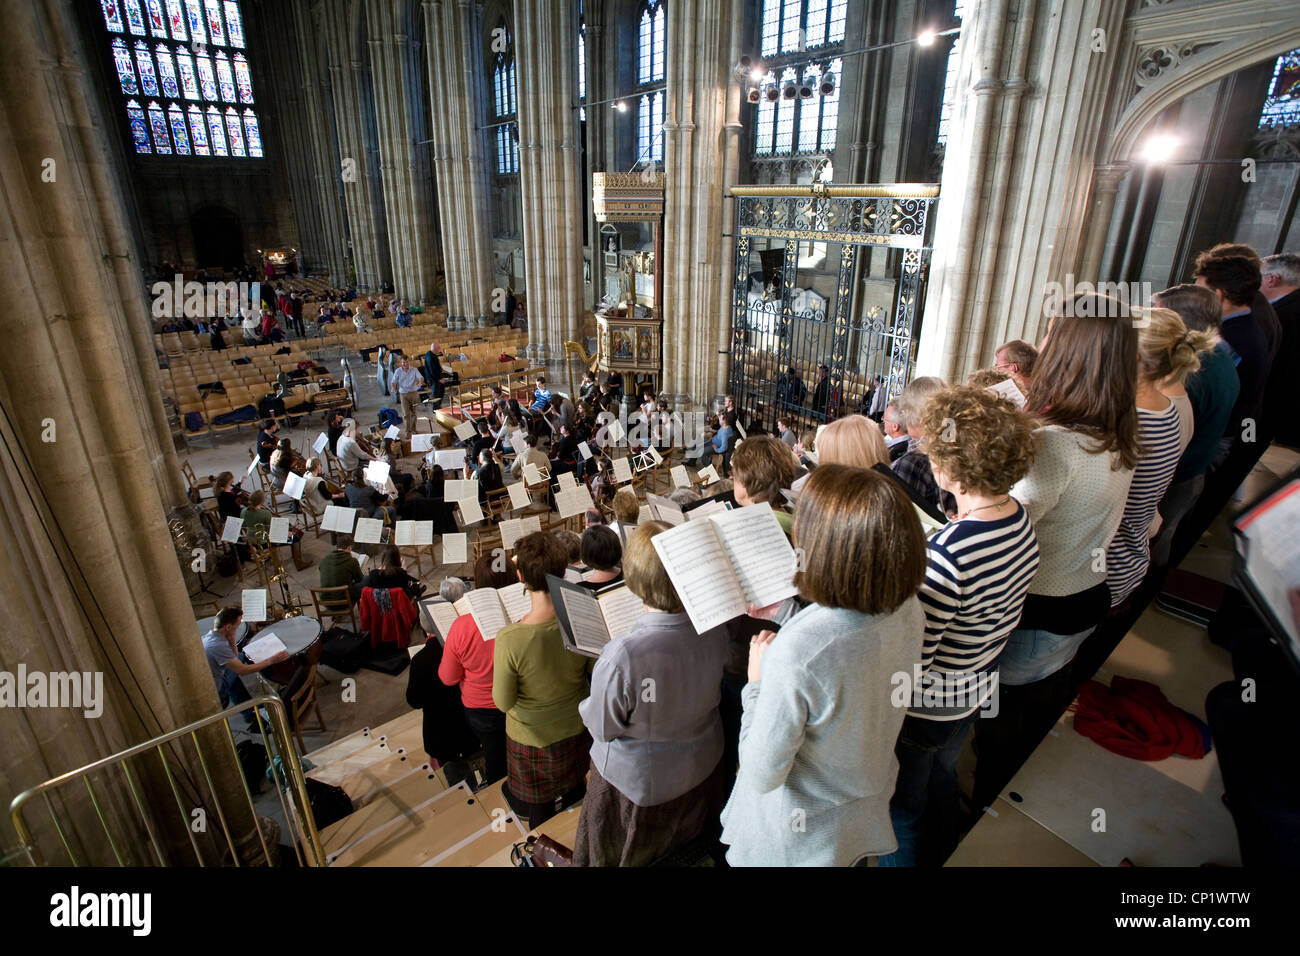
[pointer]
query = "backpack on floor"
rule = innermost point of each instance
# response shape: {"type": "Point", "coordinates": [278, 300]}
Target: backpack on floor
{"type": "Point", "coordinates": [328, 804]}
{"type": "Point", "coordinates": [252, 761]}
{"type": "Point", "coordinates": [343, 650]}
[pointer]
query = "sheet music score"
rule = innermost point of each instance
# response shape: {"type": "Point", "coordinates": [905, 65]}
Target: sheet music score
{"type": "Point", "coordinates": [534, 475]}
{"type": "Point", "coordinates": [584, 449]}
{"type": "Point", "coordinates": [622, 470]}
{"type": "Point", "coordinates": [455, 548]}
{"type": "Point", "coordinates": [575, 501]}
{"type": "Point", "coordinates": [760, 553]}
{"type": "Point", "coordinates": [708, 476]}
{"type": "Point", "coordinates": [321, 443]}
{"type": "Point", "coordinates": [470, 512]}
{"type": "Point", "coordinates": [699, 568]}
{"type": "Point", "coordinates": [516, 600]}
{"type": "Point", "coordinates": [450, 459]}
{"type": "Point", "coordinates": [253, 602]}
{"type": "Point", "coordinates": [338, 519]}
{"type": "Point", "coordinates": [392, 432]}
{"type": "Point", "coordinates": [377, 472]}
{"type": "Point", "coordinates": [644, 515]}
{"type": "Point", "coordinates": [253, 466]}
{"type": "Point", "coordinates": [488, 611]}
{"type": "Point", "coordinates": [621, 610]}
{"type": "Point", "coordinates": [1008, 389]}
{"type": "Point", "coordinates": [279, 532]}
{"type": "Point", "coordinates": [586, 622]}
{"type": "Point", "coordinates": [294, 486]}
{"type": "Point", "coordinates": [465, 431]}
{"type": "Point", "coordinates": [263, 648]}
{"type": "Point", "coordinates": [680, 478]}
{"type": "Point", "coordinates": [518, 495]}
{"type": "Point", "coordinates": [369, 531]}
{"type": "Point", "coordinates": [442, 614]}
{"type": "Point", "coordinates": [422, 442]}
{"type": "Point", "coordinates": [413, 534]}
{"type": "Point", "coordinates": [532, 524]}
{"type": "Point", "coordinates": [704, 511]}
{"type": "Point", "coordinates": [566, 480]}
{"type": "Point", "coordinates": [664, 509]}
{"type": "Point", "coordinates": [230, 532]}
{"type": "Point", "coordinates": [512, 529]}
{"type": "Point", "coordinates": [1271, 533]}
{"type": "Point", "coordinates": [456, 489]}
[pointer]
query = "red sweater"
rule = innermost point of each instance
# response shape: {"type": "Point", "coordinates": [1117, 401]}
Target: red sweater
{"type": "Point", "coordinates": [386, 628]}
{"type": "Point", "coordinates": [467, 660]}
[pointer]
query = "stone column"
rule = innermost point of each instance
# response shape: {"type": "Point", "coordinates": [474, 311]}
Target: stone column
{"type": "Point", "coordinates": [398, 77]}
{"type": "Point", "coordinates": [458, 97]}
{"type": "Point", "coordinates": [1015, 204]}
{"type": "Point", "coordinates": [89, 578]}
{"type": "Point", "coordinates": [699, 147]}
{"type": "Point", "coordinates": [550, 176]}
{"type": "Point", "coordinates": [1105, 188]}
{"type": "Point", "coordinates": [356, 163]}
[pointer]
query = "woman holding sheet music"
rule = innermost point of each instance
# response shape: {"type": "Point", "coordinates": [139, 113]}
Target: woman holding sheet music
{"type": "Point", "coordinates": [657, 774]}
{"type": "Point", "coordinates": [817, 764]}
{"type": "Point", "coordinates": [539, 684]}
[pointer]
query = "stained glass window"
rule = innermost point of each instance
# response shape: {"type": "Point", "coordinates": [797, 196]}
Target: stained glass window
{"type": "Point", "coordinates": [1282, 105]}
{"type": "Point", "coordinates": [505, 104]}
{"type": "Point", "coordinates": [158, 127]}
{"type": "Point", "coordinates": [179, 135]}
{"type": "Point", "coordinates": [199, 132]}
{"type": "Point", "coordinates": [112, 15]}
{"type": "Point", "coordinates": [125, 68]}
{"type": "Point", "coordinates": [139, 127]}
{"type": "Point", "coordinates": [188, 74]}
{"type": "Point", "coordinates": [166, 72]}
{"type": "Point", "coordinates": [134, 17]}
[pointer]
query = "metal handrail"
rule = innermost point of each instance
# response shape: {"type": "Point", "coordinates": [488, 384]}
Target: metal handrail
{"type": "Point", "coordinates": [297, 811]}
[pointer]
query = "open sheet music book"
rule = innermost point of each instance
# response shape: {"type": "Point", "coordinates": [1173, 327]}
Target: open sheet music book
{"type": "Point", "coordinates": [589, 621]}
{"type": "Point", "coordinates": [493, 609]}
{"type": "Point", "coordinates": [1267, 538]}
{"type": "Point", "coordinates": [263, 648]}
{"type": "Point", "coordinates": [723, 564]}
{"type": "Point", "coordinates": [664, 509]}
{"type": "Point", "coordinates": [437, 615]}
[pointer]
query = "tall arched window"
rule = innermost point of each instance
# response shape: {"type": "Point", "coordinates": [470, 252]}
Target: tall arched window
{"type": "Point", "coordinates": [582, 66]}
{"type": "Point", "coordinates": [950, 79]}
{"type": "Point", "coordinates": [798, 42]}
{"type": "Point", "coordinates": [651, 48]}
{"type": "Point", "coordinates": [1282, 106]}
{"type": "Point", "coordinates": [185, 57]}
{"type": "Point", "coordinates": [505, 104]}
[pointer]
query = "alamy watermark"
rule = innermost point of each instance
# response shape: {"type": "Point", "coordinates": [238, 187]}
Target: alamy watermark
{"type": "Point", "coordinates": [1110, 300]}
{"type": "Point", "coordinates": [932, 689]}
{"type": "Point", "coordinates": [73, 689]}
{"type": "Point", "coordinates": [663, 430]}
{"type": "Point", "coordinates": [204, 300]}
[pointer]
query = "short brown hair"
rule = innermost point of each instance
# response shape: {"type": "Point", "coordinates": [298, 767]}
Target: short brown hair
{"type": "Point", "coordinates": [1237, 277]}
{"type": "Point", "coordinates": [764, 465]}
{"type": "Point", "coordinates": [571, 542]}
{"type": "Point", "coordinates": [644, 572]}
{"type": "Point", "coordinates": [863, 546]}
{"type": "Point", "coordinates": [601, 549]}
{"type": "Point", "coordinates": [537, 555]}
{"type": "Point", "coordinates": [227, 616]}
{"type": "Point", "coordinates": [1197, 306]}
{"type": "Point", "coordinates": [1020, 354]}
{"type": "Point", "coordinates": [985, 377]}
{"type": "Point", "coordinates": [626, 507]}
{"type": "Point", "coordinates": [257, 499]}
{"type": "Point", "coordinates": [486, 574]}
{"type": "Point", "coordinates": [978, 439]}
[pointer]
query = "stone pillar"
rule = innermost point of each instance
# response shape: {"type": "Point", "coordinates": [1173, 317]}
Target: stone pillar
{"type": "Point", "coordinates": [546, 40]}
{"type": "Point", "coordinates": [1105, 188]}
{"type": "Point", "coordinates": [364, 204]}
{"type": "Point", "coordinates": [1015, 204]}
{"type": "Point", "coordinates": [698, 145]}
{"type": "Point", "coordinates": [397, 75]}
{"type": "Point", "coordinates": [458, 98]}
{"type": "Point", "coordinates": [89, 578]}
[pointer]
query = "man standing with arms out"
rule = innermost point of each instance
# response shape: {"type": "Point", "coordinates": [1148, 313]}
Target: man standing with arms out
{"type": "Point", "coordinates": [407, 382]}
{"type": "Point", "coordinates": [225, 663]}
{"type": "Point", "coordinates": [895, 434]}
{"type": "Point", "coordinates": [1017, 358]}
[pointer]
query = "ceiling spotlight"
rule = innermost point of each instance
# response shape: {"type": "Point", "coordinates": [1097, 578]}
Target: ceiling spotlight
{"type": "Point", "coordinates": [770, 91]}
{"type": "Point", "coordinates": [618, 105]}
{"type": "Point", "coordinates": [827, 85]}
{"type": "Point", "coordinates": [806, 89]}
{"type": "Point", "coordinates": [743, 66]}
{"type": "Point", "coordinates": [1159, 148]}
{"type": "Point", "coordinates": [758, 73]}
{"type": "Point", "coordinates": [753, 94]}
{"type": "Point", "coordinates": [790, 90]}
{"type": "Point", "coordinates": [926, 38]}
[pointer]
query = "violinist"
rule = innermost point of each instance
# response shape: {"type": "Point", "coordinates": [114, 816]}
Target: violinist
{"type": "Point", "coordinates": [282, 463]}
{"type": "Point", "coordinates": [267, 440]}
{"type": "Point", "coordinates": [319, 491]}
{"type": "Point", "coordinates": [352, 450]}
{"type": "Point", "coordinates": [230, 497]}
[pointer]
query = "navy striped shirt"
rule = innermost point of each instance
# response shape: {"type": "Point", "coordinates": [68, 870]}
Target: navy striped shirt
{"type": "Point", "coordinates": [1129, 552]}
{"type": "Point", "coordinates": [976, 578]}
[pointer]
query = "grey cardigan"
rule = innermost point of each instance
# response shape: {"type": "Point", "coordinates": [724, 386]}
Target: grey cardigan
{"type": "Point", "coordinates": [653, 709]}
{"type": "Point", "coordinates": [817, 764]}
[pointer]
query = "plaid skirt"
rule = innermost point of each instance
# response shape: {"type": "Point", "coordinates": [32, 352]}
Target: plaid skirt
{"type": "Point", "coordinates": [541, 774]}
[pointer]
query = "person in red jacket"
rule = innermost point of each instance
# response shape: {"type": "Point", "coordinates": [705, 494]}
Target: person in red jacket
{"type": "Point", "coordinates": [387, 612]}
{"type": "Point", "coordinates": [467, 661]}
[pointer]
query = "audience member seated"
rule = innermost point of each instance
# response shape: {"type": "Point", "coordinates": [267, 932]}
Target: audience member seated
{"type": "Point", "coordinates": [467, 660]}
{"type": "Point", "coordinates": [340, 568]}
{"type": "Point", "coordinates": [538, 684]}
{"type": "Point", "coordinates": [389, 573]}
{"type": "Point", "coordinates": [657, 775]}
{"type": "Point", "coordinates": [368, 502]}
{"type": "Point", "coordinates": [819, 728]}
{"type": "Point", "coordinates": [723, 440]}
{"type": "Point", "coordinates": [978, 570]}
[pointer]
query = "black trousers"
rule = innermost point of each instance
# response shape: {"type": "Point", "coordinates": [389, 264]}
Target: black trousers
{"type": "Point", "coordinates": [1026, 713]}
{"type": "Point", "coordinates": [489, 726]}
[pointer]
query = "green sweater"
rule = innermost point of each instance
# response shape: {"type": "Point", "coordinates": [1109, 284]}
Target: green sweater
{"type": "Point", "coordinates": [538, 684]}
{"type": "Point", "coordinates": [338, 569]}
{"type": "Point", "coordinates": [257, 525]}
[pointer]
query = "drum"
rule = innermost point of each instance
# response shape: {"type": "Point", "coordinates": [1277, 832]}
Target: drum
{"type": "Point", "coordinates": [299, 635]}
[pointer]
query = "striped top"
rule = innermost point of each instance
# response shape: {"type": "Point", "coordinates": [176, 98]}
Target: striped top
{"type": "Point", "coordinates": [1162, 441]}
{"type": "Point", "coordinates": [976, 578]}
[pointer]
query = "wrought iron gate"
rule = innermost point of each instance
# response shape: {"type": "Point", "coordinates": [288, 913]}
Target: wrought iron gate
{"type": "Point", "coordinates": [775, 326]}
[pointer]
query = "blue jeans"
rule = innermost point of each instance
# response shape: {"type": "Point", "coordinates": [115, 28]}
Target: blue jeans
{"type": "Point", "coordinates": [1032, 655]}
{"type": "Point", "coordinates": [924, 808]}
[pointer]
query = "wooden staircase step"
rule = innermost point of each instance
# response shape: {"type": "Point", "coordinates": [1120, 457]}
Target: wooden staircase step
{"type": "Point", "coordinates": [439, 827]}
{"type": "Point", "coordinates": [383, 807]}
{"type": "Point", "coordinates": [362, 786]}
{"type": "Point", "coordinates": [363, 738]}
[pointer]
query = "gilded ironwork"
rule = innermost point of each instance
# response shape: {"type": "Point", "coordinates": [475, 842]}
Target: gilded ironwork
{"type": "Point", "coordinates": [777, 326]}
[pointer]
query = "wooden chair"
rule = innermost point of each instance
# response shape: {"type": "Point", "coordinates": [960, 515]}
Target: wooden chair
{"type": "Point", "coordinates": [196, 486]}
{"type": "Point", "coordinates": [334, 604]}
{"type": "Point", "coordinates": [303, 701]}
{"type": "Point", "coordinates": [497, 505]}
